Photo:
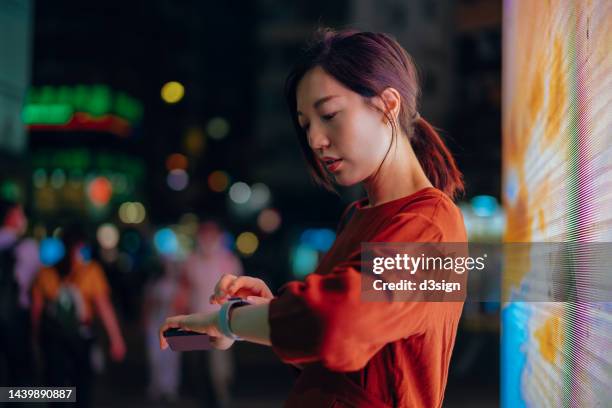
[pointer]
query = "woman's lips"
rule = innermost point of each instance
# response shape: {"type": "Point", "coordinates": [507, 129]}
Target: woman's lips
{"type": "Point", "coordinates": [333, 165]}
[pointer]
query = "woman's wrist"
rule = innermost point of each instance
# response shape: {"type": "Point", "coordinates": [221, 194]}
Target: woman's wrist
{"type": "Point", "coordinates": [225, 315]}
{"type": "Point", "coordinates": [251, 323]}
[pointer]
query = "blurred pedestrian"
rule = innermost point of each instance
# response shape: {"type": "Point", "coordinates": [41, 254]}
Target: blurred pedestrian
{"type": "Point", "coordinates": [209, 262]}
{"type": "Point", "coordinates": [65, 300]}
{"type": "Point", "coordinates": [19, 264]}
{"type": "Point", "coordinates": [160, 297]}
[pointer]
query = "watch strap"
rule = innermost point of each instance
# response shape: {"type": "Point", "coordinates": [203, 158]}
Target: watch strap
{"type": "Point", "coordinates": [224, 316]}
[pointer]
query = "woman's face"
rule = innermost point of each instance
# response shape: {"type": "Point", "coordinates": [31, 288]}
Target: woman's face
{"type": "Point", "coordinates": [348, 136]}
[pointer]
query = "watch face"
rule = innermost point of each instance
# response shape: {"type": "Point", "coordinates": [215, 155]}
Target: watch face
{"type": "Point", "coordinates": [238, 301]}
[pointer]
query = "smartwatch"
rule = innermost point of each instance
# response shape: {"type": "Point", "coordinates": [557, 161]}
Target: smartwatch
{"type": "Point", "coordinates": [224, 312]}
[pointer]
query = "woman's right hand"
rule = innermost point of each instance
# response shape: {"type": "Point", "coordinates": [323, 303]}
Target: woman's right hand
{"type": "Point", "coordinates": [239, 286]}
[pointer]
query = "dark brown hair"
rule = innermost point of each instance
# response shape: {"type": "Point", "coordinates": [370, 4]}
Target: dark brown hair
{"type": "Point", "coordinates": [367, 63]}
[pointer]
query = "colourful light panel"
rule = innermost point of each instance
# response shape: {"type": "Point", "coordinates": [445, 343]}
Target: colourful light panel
{"type": "Point", "coordinates": [557, 155]}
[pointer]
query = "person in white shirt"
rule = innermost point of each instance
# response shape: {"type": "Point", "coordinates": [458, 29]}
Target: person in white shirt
{"type": "Point", "coordinates": [203, 269]}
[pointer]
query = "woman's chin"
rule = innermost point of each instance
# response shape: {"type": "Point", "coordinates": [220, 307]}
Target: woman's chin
{"type": "Point", "coordinates": [344, 180]}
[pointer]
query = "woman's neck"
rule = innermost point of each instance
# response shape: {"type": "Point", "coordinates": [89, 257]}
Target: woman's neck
{"type": "Point", "coordinates": [400, 175]}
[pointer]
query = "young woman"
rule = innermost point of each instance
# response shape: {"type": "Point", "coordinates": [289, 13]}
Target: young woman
{"type": "Point", "coordinates": [353, 99]}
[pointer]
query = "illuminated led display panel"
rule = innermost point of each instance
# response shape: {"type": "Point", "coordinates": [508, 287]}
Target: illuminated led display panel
{"type": "Point", "coordinates": [557, 187]}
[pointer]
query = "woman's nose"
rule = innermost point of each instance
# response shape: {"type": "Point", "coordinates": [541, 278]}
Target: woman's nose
{"type": "Point", "coordinates": [317, 139]}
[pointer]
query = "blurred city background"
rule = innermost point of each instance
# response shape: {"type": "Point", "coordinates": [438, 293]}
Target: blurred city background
{"type": "Point", "coordinates": [136, 128]}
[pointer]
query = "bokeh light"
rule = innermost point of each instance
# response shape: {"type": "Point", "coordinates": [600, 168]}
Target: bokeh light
{"type": "Point", "coordinates": [269, 220]}
{"type": "Point", "coordinates": [189, 222]}
{"type": "Point", "coordinates": [51, 250]}
{"type": "Point", "coordinates": [176, 161]}
{"type": "Point", "coordinates": [194, 141]}
{"type": "Point", "coordinates": [165, 241]}
{"type": "Point", "coordinates": [132, 212]}
{"type": "Point", "coordinates": [172, 92]}
{"type": "Point", "coordinates": [10, 190]}
{"type": "Point", "coordinates": [303, 260]}
{"type": "Point", "coordinates": [218, 181]}
{"type": "Point", "coordinates": [247, 243]}
{"type": "Point", "coordinates": [39, 178]}
{"type": "Point", "coordinates": [100, 191]}
{"type": "Point", "coordinates": [217, 128]}
{"type": "Point", "coordinates": [186, 244]}
{"type": "Point", "coordinates": [58, 178]}
{"type": "Point", "coordinates": [484, 205]}
{"type": "Point", "coordinates": [260, 196]}
{"type": "Point", "coordinates": [318, 239]}
{"type": "Point", "coordinates": [177, 179]}
{"type": "Point", "coordinates": [240, 192]}
{"type": "Point", "coordinates": [108, 236]}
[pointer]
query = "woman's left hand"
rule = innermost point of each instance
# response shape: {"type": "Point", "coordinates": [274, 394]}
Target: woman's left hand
{"type": "Point", "coordinates": [206, 323]}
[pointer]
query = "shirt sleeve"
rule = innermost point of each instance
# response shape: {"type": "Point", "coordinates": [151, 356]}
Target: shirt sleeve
{"type": "Point", "coordinates": [323, 318]}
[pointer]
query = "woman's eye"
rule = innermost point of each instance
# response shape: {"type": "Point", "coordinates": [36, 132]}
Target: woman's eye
{"type": "Point", "coordinates": [330, 116]}
{"type": "Point", "coordinates": [305, 128]}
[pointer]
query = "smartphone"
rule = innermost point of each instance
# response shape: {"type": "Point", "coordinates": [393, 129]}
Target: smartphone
{"type": "Point", "coordinates": [185, 340]}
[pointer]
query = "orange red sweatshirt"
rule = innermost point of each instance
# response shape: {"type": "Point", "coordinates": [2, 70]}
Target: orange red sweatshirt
{"type": "Point", "coordinates": [369, 354]}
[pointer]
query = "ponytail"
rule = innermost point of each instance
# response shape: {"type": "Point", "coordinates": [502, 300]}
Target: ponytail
{"type": "Point", "coordinates": [436, 160]}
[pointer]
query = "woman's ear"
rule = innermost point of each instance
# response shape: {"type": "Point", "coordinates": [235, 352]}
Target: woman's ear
{"type": "Point", "coordinates": [392, 102]}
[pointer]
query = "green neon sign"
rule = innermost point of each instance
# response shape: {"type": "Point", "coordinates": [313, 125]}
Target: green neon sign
{"type": "Point", "coordinates": [55, 105]}
{"type": "Point", "coordinates": [50, 114]}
